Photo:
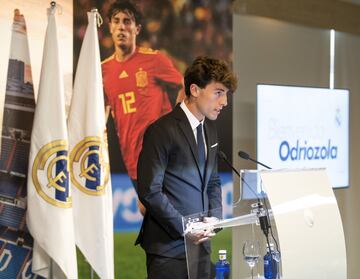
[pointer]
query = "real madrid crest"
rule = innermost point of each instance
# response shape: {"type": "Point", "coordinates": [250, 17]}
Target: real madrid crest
{"type": "Point", "coordinates": [89, 166]}
{"type": "Point", "coordinates": [50, 174]}
{"type": "Point", "coordinates": [141, 78]}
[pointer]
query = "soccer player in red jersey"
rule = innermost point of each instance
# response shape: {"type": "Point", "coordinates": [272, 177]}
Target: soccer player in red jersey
{"type": "Point", "coordinates": [133, 79]}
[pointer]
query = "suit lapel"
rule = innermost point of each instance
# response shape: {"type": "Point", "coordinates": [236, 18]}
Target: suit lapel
{"type": "Point", "coordinates": [188, 133]}
{"type": "Point", "coordinates": [210, 141]}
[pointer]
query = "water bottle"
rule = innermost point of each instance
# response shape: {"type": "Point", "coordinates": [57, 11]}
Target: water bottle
{"type": "Point", "coordinates": [222, 267]}
{"type": "Point", "coordinates": [270, 264]}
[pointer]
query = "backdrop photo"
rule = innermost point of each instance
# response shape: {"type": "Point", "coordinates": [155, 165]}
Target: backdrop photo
{"type": "Point", "coordinates": [181, 30]}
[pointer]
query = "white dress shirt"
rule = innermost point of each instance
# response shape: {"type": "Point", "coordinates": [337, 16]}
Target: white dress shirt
{"type": "Point", "coordinates": [194, 122]}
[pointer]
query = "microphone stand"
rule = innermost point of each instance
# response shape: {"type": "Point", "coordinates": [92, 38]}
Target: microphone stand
{"type": "Point", "coordinates": [263, 218]}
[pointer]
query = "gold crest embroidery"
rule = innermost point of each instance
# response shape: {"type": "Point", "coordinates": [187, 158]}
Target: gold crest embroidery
{"type": "Point", "coordinates": [141, 78]}
{"type": "Point", "coordinates": [82, 172]}
{"type": "Point", "coordinates": [48, 177]}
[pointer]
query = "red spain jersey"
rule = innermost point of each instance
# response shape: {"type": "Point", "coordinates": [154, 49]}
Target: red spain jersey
{"type": "Point", "coordinates": [132, 90]}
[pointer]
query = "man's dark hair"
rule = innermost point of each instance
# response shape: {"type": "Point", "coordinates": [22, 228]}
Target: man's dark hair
{"type": "Point", "coordinates": [126, 7]}
{"type": "Point", "coordinates": [205, 70]}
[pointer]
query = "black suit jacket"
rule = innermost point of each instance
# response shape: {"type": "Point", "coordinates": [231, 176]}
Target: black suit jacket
{"type": "Point", "coordinates": [170, 184]}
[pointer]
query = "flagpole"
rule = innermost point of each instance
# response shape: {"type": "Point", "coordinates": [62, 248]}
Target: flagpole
{"type": "Point", "coordinates": [51, 268]}
{"type": "Point", "coordinates": [95, 11]}
{"type": "Point", "coordinates": [51, 274]}
{"type": "Point", "coordinates": [51, 271]}
{"type": "Point", "coordinates": [99, 22]}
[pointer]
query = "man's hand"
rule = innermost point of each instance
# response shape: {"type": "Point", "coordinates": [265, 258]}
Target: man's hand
{"type": "Point", "coordinates": [198, 236]}
{"type": "Point", "coordinates": [141, 207]}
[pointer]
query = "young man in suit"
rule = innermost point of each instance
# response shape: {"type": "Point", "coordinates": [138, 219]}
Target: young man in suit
{"type": "Point", "coordinates": [177, 171]}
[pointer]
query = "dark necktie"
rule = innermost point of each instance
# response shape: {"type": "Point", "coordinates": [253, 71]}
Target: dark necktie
{"type": "Point", "coordinates": [201, 149]}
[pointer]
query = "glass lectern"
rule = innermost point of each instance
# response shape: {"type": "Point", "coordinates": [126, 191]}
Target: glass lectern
{"type": "Point", "coordinates": [285, 222]}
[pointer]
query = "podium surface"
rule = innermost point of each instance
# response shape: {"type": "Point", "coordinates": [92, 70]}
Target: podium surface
{"type": "Point", "coordinates": [308, 224]}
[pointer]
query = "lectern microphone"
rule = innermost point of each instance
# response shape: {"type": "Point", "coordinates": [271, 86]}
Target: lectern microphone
{"type": "Point", "coordinates": [223, 156]}
{"type": "Point", "coordinates": [246, 156]}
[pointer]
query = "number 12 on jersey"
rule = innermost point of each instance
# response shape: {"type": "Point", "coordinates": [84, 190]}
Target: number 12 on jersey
{"type": "Point", "coordinates": [127, 100]}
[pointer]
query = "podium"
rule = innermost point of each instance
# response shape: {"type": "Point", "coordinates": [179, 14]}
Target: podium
{"type": "Point", "coordinates": [305, 222]}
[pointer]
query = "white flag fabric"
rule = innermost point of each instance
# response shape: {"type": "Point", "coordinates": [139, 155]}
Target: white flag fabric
{"type": "Point", "coordinates": [89, 162]}
{"type": "Point", "coordinates": [49, 213]}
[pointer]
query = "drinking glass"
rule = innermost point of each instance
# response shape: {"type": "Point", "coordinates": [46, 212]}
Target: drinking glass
{"type": "Point", "coordinates": [251, 253]}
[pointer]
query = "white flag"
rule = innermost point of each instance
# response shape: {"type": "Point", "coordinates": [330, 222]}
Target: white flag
{"type": "Point", "coordinates": [89, 163]}
{"type": "Point", "coordinates": [49, 213]}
